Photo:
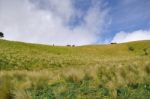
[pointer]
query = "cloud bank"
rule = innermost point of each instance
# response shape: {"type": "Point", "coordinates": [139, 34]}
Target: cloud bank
{"type": "Point", "coordinates": [51, 21]}
{"type": "Point", "coordinates": [132, 36]}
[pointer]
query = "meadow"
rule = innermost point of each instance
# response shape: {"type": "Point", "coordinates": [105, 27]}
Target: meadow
{"type": "Point", "coordinates": [33, 71]}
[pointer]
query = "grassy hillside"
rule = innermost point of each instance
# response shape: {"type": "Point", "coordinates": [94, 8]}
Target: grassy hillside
{"type": "Point", "coordinates": [35, 71]}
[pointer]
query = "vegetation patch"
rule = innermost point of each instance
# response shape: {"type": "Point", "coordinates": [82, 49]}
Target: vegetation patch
{"type": "Point", "coordinates": [82, 72]}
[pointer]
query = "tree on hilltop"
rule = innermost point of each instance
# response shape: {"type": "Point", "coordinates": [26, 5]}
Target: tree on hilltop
{"type": "Point", "coordinates": [1, 34]}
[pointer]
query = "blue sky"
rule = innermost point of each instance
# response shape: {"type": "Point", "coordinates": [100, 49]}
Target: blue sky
{"type": "Point", "coordinates": [130, 15]}
{"type": "Point", "coordinates": [77, 22]}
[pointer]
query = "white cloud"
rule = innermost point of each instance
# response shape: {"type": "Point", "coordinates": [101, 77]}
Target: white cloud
{"type": "Point", "coordinates": [132, 36]}
{"type": "Point", "coordinates": [23, 20]}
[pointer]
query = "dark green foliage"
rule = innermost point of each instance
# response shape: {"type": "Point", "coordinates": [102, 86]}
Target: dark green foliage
{"type": "Point", "coordinates": [134, 91]}
{"type": "Point", "coordinates": [71, 91]}
{"type": "Point", "coordinates": [131, 48]}
{"type": "Point", "coordinates": [145, 51]}
{"type": "Point", "coordinates": [83, 90]}
{"type": "Point", "coordinates": [1, 34]}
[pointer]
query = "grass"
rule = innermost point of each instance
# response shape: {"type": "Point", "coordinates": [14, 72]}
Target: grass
{"type": "Point", "coordinates": [32, 71]}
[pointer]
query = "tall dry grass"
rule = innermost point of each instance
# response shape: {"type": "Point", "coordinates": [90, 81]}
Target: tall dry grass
{"type": "Point", "coordinates": [112, 76]}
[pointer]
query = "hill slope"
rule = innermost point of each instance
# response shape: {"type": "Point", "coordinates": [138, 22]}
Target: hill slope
{"type": "Point", "coordinates": [16, 55]}
{"type": "Point", "coordinates": [32, 71]}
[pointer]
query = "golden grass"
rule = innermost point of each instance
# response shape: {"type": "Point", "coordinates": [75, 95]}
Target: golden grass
{"type": "Point", "coordinates": [111, 76]}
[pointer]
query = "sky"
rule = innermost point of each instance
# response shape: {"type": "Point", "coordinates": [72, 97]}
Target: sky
{"type": "Point", "coordinates": [76, 22]}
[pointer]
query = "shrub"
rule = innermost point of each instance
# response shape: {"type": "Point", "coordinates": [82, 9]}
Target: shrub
{"type": "Point", "coordinates": [145, 51]}
{"type": "Point", "coordinates": [131, 48]}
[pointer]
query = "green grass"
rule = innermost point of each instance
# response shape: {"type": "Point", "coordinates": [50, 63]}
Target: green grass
{"type": "Point", "coordinates": [32, 71]}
